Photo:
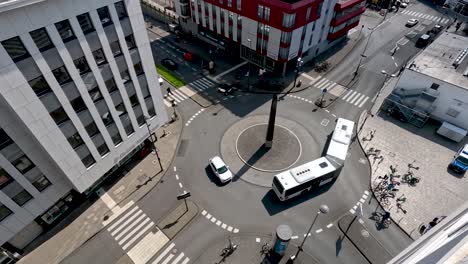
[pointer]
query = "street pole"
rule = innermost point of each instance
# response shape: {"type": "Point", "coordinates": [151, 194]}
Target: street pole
{"type": "Point", "coordinates": [248, 74]}
{"type": "Point", "coordinates": [324, 210]}
{"type": "Point", "coordinates": [363, 54]}
{"type": "Point", "coordinates": [298, 66]}
{"type": "Point", "coordinates": [271, 122]}
{"type": "Point", "coordinates": [153, 147]}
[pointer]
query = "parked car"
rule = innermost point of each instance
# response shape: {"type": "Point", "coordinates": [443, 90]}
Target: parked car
{"type": "Point", "coordinates": [459, 163]}
{"type": "Point", "coordinates": [220, 169]}
{"type": "Point", "coordinates": [168, 63]}
{"type": "Point", "coordinates": [423, 40]}
{"type": "Point", "coordinates": [403, 5]}
{"type": "Point", "coordinates": [412, 22]}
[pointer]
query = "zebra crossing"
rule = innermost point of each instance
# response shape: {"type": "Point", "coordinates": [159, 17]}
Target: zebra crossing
{"type": "Point", "coordinates": [169, 253]}
{"type": "Point", "coordinates": [355, 98]}
{"type": "Point", "coordinates": [434, 18]}
{"type": "Point", "coordinates": [351, 96]}
{"type": "Point", "coordinates": [180, 94]}
{"type": "Point", "coordinates": [140, 238]}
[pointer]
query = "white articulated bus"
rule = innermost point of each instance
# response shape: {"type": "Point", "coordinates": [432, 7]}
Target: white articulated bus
{"type": "Point", "coordinates": [319, 172]}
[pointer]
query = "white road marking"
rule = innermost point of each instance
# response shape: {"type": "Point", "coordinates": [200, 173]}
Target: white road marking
{"type": "Point", "coordinates": [164, 253]}
{"type": "Point", "coordinates": [329, 225]}
{"type": "Point", "coordinates": [318, 230]}
{"type": "Point", "coordinates": [178, 258]}
{"type": "Point", "coordinates": [351, 97]}
{"type": "Point", "coordinates": [177, 177]}
{"type": "Point", "coordinates": [117, 223]}
{"type": "Point", "coordinates": [362, 200]}
{"type": "Point", "coordinates": [366, 192]}
{"type": "Point", "coordinates": [213, 219]}
{"type": "Point", "coordinates": [127, 228]}
{"type": "Point", "coordinates": [294, 237]}
{"type": "Point", "coordinates": [352, 211]}
{"type": "Point", "coordinates": [223, 226]}
{"type": "Point", "coordinates": [257, 240]}
{"type": "Point", "coordinates": [218, 223]}
{"type": "Point", "coordinates": [229, 228]}
{"type": "Point", "coordinates": [236, 230]}
{"type": "Point", "coordinates": [203, 212]}
{"type": "Point", "coordinates": [363, 102]}
{"type": "Point", "coordinates": [175, 169]}
{"type": "Point", "coordinates": [361, 221]}
{"type": "Point", "coordinates": [230, 70]}
{"type": "Point", "coordinates": [355, 100]}
{"type": "Point", "coordinates": [347, 94]}
{"type": "Point", "coordinates": [208, 216]}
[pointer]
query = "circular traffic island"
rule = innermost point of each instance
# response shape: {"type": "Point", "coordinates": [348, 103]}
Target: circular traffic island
{"type": "Point", "coordinates": [243, 148]}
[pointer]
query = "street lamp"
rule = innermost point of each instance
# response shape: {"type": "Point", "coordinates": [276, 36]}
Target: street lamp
{"type": "Point", "coordinates": [363, 53]}
{"type": "Point", "coordinates": [298, 67]}
{"type": "Point", "coordinates": [324, 210]}
{"type": "Point", "coordinates": [153, 147]}
{"type": "Point", "coordinates": [248, 73]}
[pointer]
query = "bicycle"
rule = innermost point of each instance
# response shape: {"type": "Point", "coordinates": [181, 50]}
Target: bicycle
{"type": "Point", "coordinates": [410, 179]}
{"type": "Point", "coordinates": [265, 250]}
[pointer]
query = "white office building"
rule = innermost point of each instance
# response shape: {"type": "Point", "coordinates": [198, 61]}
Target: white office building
{"type": "Point", "coordinates": [78, 87]}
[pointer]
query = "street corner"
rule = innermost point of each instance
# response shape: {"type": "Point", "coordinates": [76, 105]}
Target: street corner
{"type": "Point", "coordinates": [178, 218]}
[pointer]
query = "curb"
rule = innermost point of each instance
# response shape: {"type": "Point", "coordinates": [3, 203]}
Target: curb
{"type": "Point", "coordinates": [370, 172]}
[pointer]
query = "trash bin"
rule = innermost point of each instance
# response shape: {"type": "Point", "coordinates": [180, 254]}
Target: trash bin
{"type": "Point", "coordinates": [283, 236]}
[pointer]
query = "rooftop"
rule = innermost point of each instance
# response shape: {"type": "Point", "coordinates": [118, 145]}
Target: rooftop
{"type": "Point", "coordinates": [438, 58]}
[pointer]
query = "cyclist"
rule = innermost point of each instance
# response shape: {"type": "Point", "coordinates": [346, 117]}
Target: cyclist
{"type": "Point", "coordinates": [386, 216]}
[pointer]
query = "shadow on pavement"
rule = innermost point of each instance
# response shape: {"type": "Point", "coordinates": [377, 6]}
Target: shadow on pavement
{"type": "Point", "coordinates": [261, 151]}
{"type": "Point", "coordinates": [209, 172]}
{"type": "Point", "coordinates": [273, 205]}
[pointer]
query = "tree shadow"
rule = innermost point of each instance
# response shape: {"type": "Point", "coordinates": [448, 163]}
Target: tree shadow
{"type": "Point", "coordinates": [259, 153]}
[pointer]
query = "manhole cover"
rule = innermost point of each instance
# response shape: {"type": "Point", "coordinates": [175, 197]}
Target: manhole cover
{"type": "Point", "coordinates": [364, 233]}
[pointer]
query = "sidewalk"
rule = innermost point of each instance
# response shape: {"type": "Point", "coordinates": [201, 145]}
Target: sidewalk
{"type": "Point", "coordinates": [439, 192]}
{"type": "Point", "coordinates": [75, 230]}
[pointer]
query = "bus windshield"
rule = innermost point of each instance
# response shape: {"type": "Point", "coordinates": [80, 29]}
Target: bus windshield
{"type": "Point", "coordinates": [278, 185]}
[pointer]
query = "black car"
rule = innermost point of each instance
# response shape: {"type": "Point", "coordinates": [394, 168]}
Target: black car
{"type": "Point", "coordinates": [168, 63]}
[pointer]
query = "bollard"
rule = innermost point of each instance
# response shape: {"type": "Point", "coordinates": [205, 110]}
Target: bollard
{"type": "Point", "coordinates": [283, 236]}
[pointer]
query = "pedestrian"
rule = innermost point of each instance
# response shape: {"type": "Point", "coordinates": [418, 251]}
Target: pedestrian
{"type": "Point", "coordinates": [169, 90]}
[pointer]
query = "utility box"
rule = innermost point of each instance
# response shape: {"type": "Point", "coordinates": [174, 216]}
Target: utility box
{"type": "Point", "coordinates": [452, 132]}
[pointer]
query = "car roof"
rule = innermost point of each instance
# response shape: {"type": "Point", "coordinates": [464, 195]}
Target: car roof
{"type": "Point", "coordinates": [217, 162]}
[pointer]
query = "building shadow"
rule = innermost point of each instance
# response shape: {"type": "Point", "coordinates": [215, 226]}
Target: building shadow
{"type": "Point", "coordinates": [259, 153]}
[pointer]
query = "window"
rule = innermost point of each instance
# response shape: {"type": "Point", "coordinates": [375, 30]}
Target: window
{"type": "Point", "coordinates": [283, 53]}
{"type": "Point", "coordinates": [5, 140]}
{"type": "Point", "coordinates": [435, 86]}
{"type": "Point", "coordinates": [121, 11]}
{"type": "Point", "coordinates": [221, 2]}
{"type": "Point", "coordinates": [263, 12]}
{"type": "Point", "coordinates": [130, 41]}
{"type": "Point", "coordinates": [267, 13]}
{"type": "Point", "coordinates": [39, 86]}
{"type": "Point", "coordinates": [78, 104]}
{"type": "Point", "coordinates": [452, 112]}
{"type": "Point", "coordinates": [41, 183]}
{"type": "Point", "coordinates": [17, 193]}
{"type": "Point", "coordinates": [5, 178]}
{"type": "Point", "coordinates": [99, 57]}
{"type": "Point", "coordinates": [92, 129]}
{"type": "Point", "coordinates": [75, 140]}
{"type": "Point", "coordinates": [4, 212]}
{"type": "Point", "coordinates": [102, 149]}
{"type": "Point", "coordinates": [239, 4]}
{"type": "Point", "coordinates": [308, 13]}
{"type": "Point", "coordinates": [288, 20]}
{"type": "Point", "coordinates": [23, 164]}
{"type": "Point", "coordinates": [95, 94]}
{"type": "Point", "coordinates": [61, 74]}
{"type": "Point", "coordinates": [229, 3]}
{"type": "Point", "coordinates": [125, 76]}
{"type": "Point", "coordinates": [85, 23]}
{"type": "Point", "coordinates": [59, 115]}
{"type": "Point", "coordinates": [286, 37]}
{"type": "Point", "coordinates": [82, 65]}
{"type": "Point", "coordinates": [120, 108]}
{"type": "Point", "coordinates": [310, 40]}
{"type": "Point", "coordinates": [319, 9]}
{"type": "Point", "coordinates": [115, 47]}
{"type": "Point", "coordinates": [134, 100]}
{"type": "Point", "coordinates": [65, 30]}
{"type": "Point", "coordinates": [138, 68]}
{"type": "Point", "coordinates": [260, 11]}
{"type": "Point", "coordinates": [15, 49]}
{"type": "Point", "coordinates": [104, 16]}
{"type": "Point", "coordinates": [110, 84]}
{"type": "Point", "coordinates": [41, 38]}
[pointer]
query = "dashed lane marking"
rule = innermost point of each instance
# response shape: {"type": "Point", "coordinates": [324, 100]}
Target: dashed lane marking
{"type": "Point", "coordinates": [329, 225]}
{"type": "Point", "coordinates": [219, 223]}
{"type": "Point", "coordinates": [318, 230]}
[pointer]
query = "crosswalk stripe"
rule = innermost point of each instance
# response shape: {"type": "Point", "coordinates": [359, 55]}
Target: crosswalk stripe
{"type": "Point", "coordinates": [137, 236]}
{"type": "Point", "coordinates": [181, 94]}
{"type": "Point", "coordinates": [206, 81]}
{"type": "Point", "coordinates": [163, 254]}
{"type": "Point", "coordinates": [404, 11]}
{"type": "Point", "coordinates": [419, 15]}
{"type": "Point", "coordinates": [136, 229]}
{"type": "Point", "coordinates": [123, 225]}
{"type": "Point", "coordinates": [176, 97]}
{"type": "Point", "coordinates": [410, 13]}
{"type": "Point", "coordinates": [425, 16]}
{"type": "Point", "coordinates": [438, 19]}
{"type": "Point", "coordinates": [171, 96]}
{"type": "Point", "coordinates": [185, 261]}
{"type": "Point", "coordinates": [118, 235]}
{"type": "Point", "coordinates": [322, 84]}
{"type": "Point", "coordinates": [354, 99]}
{"type": "Point", "coordinates": [431, 17]}
{"type": "Point", "coordinates": [446, 20]}
{"type": "Point", "coordinates": [351, 97]}
{"type": "Point", "coordinates": [360, 99]}
{"type": "Point", "coordinates": [181, 255]}
{"type": "Point", "coordinates": [329, 85]}
{"type": "Point", "coordinates": [168, 259]}
{"type": "Point", "coordinates": [363, 102]}
{"type": "Point", "coordinates": [122, 218]}
{"type": "Point", "coordinates": [167, 103]}
{"type": "Point", "coordinates": [346, 95]}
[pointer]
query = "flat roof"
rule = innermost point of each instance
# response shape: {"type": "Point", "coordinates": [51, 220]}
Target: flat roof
{"type": "Point", "coordinates": [305, 172]}
{"type": "Point", "coordinates": [437, 59]}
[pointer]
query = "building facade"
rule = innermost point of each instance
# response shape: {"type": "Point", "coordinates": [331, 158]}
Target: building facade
{"type": "Point", "coordinates": [270, 34]}
{"type": "Point", "coordinates": [78, 90]}
{"type": "Point", "coordinates": [434, 84]}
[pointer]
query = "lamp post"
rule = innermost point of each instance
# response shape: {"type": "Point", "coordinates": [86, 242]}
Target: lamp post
{"type": "Point", "coordinates": [153, 147]}
{"type": "Point", "coordinates": [322, 210]}
{"type": "Point", "coordinates": [363, 54]}
{"type": "Point", "coordinates": [248, 73]}
{"type": "Point", "coordinates": [298, 67]}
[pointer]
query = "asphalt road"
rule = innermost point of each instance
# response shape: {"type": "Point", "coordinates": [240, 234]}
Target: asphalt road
{"type": "Point", "coordinates": [253, 209]}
